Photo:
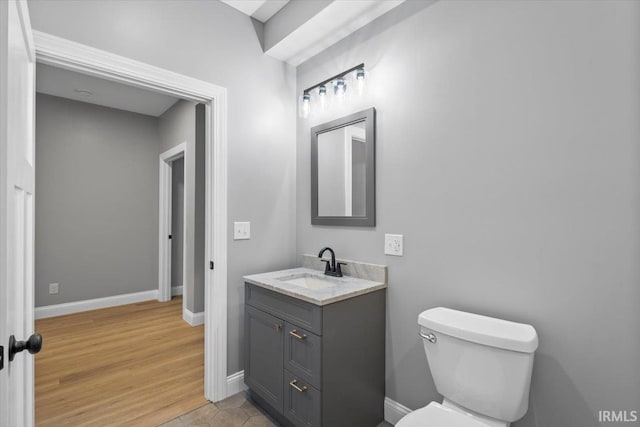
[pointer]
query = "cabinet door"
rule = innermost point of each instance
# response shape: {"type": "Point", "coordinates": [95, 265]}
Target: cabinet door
{"type": "Point", "coordinates": [264, 350]}
{"type": "Point", "coordinates": [301, 402]}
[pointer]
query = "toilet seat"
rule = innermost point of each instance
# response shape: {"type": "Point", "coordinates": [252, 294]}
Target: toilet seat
{"type": "Point", "coordinates": [436, 415]}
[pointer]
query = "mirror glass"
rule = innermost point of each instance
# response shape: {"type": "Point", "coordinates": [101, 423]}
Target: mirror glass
{"type": "Point", "coordinates": [343, 171]}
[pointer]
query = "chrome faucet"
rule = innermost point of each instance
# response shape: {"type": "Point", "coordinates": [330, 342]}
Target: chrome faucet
{"type": "Point", "coordinates": [331, 268]}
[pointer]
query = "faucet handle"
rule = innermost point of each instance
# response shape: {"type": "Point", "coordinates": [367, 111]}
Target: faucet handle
{"type": "Point", "coordinates": [339, 268]}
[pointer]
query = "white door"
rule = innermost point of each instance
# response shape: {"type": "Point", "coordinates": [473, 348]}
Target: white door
{"type": "Point", "coordinates": [17, 185]}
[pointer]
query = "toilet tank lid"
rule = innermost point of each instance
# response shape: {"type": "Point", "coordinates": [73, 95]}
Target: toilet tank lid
{"type": "Point", "coordinates": [481, 329]}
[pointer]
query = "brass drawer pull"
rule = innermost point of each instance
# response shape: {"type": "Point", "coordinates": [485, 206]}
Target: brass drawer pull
{"type": "Point", "coordinates": [300, 389]}
{"type": "Point", "coordinates": [294, 333]}
{"type": "Point", "coordinates": [278, 327]}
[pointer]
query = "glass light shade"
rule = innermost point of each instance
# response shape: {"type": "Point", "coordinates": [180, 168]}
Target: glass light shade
{"type": "Point", "coordinates": [306, 105]}
{"type": "Point", "coordinates": [322, 96]}
{"type": "Point", "coordinates": [340, 87]}
{"type": "Point", "coordinates": [360, 75]}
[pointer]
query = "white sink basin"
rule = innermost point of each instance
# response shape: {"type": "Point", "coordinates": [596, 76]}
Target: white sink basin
{"type": "Point", "coordinates": [309, 281]}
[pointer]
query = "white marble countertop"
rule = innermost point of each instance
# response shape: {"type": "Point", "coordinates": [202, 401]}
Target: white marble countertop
{"type": "Point", "coordinates": [345, 287]}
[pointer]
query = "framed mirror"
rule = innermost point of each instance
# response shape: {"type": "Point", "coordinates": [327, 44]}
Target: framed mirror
{"type": "Point", "coordinates": [343, 171]}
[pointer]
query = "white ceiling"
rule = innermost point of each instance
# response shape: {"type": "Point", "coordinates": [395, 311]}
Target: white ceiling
{"type": "Point", "coordinates": [327, 27]}
{"type": "Point", "coordinates": [69, 84]}
{"type": "Point", "coordinates": [311, 35]}
{"type": "Point", "coordinates": [261, 10]}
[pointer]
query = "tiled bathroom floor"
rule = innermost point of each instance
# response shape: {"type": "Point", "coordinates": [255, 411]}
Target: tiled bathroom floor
{"type": "Point", "coordinates": [235, 411]}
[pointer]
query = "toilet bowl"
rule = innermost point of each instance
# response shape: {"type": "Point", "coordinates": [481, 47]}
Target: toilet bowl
{"type": "Point", "coordinates": [481, 365]}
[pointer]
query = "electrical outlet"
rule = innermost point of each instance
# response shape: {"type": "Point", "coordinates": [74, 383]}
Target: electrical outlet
{"type": "Point", "coordinates": [54, 288]}
{"type": "Point", "coordinates": [241, 230]}
{"type": "Point", "coordinates": [393, 244]}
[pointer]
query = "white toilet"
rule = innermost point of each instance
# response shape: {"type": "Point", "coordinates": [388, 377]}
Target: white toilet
{"type": "Point", "coordinates": [481, 365]}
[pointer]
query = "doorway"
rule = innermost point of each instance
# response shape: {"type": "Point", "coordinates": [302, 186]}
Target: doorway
{"type": "Point", "coordinates": [172, 236]}
{"type": "Point", "coordinates": [56, 51]}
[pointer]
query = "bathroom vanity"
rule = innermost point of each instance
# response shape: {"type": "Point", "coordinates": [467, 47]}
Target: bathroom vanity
{"type": "Point", "coordinates": [315, 345]}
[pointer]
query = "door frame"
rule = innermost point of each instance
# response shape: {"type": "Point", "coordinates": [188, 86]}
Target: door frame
{"type": "Point", "coordinates": [63, 53]}
{"type": "Point", "coordinates": [165, 214]}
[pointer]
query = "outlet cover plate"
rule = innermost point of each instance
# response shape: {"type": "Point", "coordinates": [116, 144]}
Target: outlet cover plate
{"type": "Point", "coordinates": [393, 244]}
{"type": "Point", "coordinates": [54, 288]}
{"type": "Point", "coordinates": [241, 230]}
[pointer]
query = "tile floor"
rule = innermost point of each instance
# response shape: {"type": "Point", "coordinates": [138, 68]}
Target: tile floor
{"type": "Point", "coordinates": [235, 411]}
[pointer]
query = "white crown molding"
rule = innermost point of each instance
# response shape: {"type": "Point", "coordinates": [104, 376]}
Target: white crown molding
{"type": "Point", "coordinates": [393, 411]}
{"type": "Point", "coordinates": [67, 54]}
{"type": "Point", "coordinates": [93, 304]}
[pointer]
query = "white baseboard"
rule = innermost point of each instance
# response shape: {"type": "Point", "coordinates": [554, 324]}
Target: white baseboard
{"type": "Point", "coordinates": [194, 319]}
{"type": "Point", "coordinates": [393, 411]}
{"type": "Point", "coordinates": [94, 304]}
{"type": "Point", "coordinates": [235, 383]}
{"type": "Point", "coordinates": [176, 290]}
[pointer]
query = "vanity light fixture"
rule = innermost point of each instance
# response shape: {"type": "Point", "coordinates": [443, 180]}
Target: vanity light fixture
{"type": "Point", "coordinates": [339, 87]}
{"type": "Point", "coordinates": [360, 79]}
{"type": "Point", "coordinates": [306, 104]}
{"type": "Point", "coordinates": [322, 96]}
{"type": "Point", "coordinates": [339, 83]}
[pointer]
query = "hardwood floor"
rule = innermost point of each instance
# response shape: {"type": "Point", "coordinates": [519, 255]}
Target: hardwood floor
{"type": "Point", "coordinates": [134, 365]}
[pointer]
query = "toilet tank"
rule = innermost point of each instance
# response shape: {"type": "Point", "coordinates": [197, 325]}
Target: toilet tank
{"type": "Point", "coordinates": [480, 363]}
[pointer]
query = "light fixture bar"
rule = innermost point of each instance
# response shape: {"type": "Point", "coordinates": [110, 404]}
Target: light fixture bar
{"type": "Point", "coordinates": [342, 74]}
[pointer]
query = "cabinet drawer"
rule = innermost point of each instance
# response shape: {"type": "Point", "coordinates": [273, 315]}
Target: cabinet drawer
{"type": "Point", "coordinates": [301, 402]}
{"type": "Point", "coordinates": [302, 354]}
{"type": "Point", "coordinates": [300, 313]}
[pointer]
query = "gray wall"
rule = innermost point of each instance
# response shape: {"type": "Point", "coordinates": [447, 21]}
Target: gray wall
{"type": "Point", "coordinates": [507, 155]}
{"type": "Point", "coordinates": [97, 209]}
{"type": "Point", "coordinates": [178, 125]}
{"type": "Point", "coordinates": [177, 221]}
{"type": "Point", "coordinates": [215, 43]}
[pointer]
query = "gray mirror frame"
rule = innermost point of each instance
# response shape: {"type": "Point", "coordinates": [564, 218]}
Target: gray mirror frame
{"type": "Point", "coordinates": [369, 220]}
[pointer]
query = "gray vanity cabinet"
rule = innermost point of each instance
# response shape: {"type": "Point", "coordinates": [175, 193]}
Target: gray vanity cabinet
{"type": "Point", "coordinates": [316, 366]}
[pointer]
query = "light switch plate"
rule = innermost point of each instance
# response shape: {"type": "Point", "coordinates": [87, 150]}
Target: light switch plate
{"type": "Point", "coordinates": [241, 230]}
{"type": "Point", "coordinates": [393, 244]}
{"type": "Point", "coordinates": [54, 288]}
